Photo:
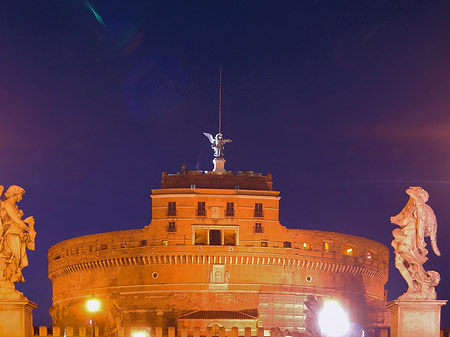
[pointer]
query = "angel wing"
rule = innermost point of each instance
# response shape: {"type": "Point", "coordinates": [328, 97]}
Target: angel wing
{"type": "Point", "coordinates": [210, 137]}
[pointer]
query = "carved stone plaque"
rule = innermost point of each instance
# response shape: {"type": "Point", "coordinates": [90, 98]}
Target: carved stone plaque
{"type": "Point", "coordinates": [218, 277]}
{"type": "Point", "coordinates": [215, 212]}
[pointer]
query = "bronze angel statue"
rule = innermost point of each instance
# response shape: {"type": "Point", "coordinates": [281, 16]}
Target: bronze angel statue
{"type": "Point", "coordinates": [217, 143]}
{"type": "Point", "coordinates": [417, 221]}
{"type": "Point", "coordinates": [16, 236]}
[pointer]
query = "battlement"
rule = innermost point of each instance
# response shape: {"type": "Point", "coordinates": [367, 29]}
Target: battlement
{"type": "Point", "coordinates": [245, 180]}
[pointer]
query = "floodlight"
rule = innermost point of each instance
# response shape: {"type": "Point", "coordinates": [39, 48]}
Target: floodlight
{"type": "Point", "coordinates": [333, 320]}
{"type": "Point", "coordinates": [93, 305]}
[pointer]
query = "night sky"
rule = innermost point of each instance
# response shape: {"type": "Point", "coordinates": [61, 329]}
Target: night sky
{"type": "Point", "coordinates": [345, 102]}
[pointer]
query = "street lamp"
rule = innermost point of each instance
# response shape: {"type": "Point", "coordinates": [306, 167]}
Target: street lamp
{"type": "Point", "coordinates": [333, 320]}
{"type": "Point", "coordinates": [93, 306]}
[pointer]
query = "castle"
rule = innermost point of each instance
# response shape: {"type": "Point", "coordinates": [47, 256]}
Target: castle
{"type": "Point", "coordinates": [215, 255]}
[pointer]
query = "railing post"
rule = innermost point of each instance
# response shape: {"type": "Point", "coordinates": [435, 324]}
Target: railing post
{"type": "Point", "coordinates": [184, 332]}
{"type": "Point", "coordinates": [196, 331]}
{"type": "Point", "coordinates": [209, 332]}
{"type": "Point", "coordinates": [171, 331]}
{"type": "Point", "coordinates": [248, 332]}
{"type": "Point", "coordinates": [221, 331]}
{"type": "Point", "coordinates": [260, 332]}
{"type": "Point", "coordinates": [56, 331]}
{"type": "Point", "coordinates": [42, 331]}
{"type": "Point", "coordinates": [158, 331]}
{"type": "Point", "coordinates": [234, 332]}
{"type": "Point", "coordinates": [69, 331]}
{"type": "Point", "coordinates": [82, 331]}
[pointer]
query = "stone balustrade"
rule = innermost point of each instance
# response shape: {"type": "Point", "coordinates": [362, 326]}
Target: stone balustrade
{"type": "Point", "coordinates": [196, 332]}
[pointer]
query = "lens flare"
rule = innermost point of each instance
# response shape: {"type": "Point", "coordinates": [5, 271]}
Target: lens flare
{"type": "Point", "coordinates": [333, 320]}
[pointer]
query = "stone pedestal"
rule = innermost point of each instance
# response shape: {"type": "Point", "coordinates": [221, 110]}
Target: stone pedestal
{"type": "Point", "coordinates": [16, 318]}
{"type": "Point", "coordinates": [415, 318]}
{"type": "Point", "coordinates": [219, 165]}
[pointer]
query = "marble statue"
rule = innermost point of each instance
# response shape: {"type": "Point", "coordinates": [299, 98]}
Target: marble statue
{"type": "Point", "coordinates": [217, 144]}
{"type": "Point", "coordinates": [116, 316]}
{"type": "Point", "coordinates": [15, 238]}
{"type": "Point", "coordinates": [417, 221]}
{"type": "Point", "coordinates": [314, 305]}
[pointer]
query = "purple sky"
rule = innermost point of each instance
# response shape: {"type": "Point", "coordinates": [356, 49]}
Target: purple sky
{"type": "Point", "coordinates": [346, 103]}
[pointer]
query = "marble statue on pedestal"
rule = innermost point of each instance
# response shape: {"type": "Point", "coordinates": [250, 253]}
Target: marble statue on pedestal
{"type": "Point", "coordinates": [417, 221]}
{"type": "Point", "coordinates": [16, 236]}
{"type": "Point", "coordinates": [217, 144]}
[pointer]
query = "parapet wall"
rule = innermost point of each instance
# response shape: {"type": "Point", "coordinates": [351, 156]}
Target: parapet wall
{"type": "Point", "coordinates": [307, 249]}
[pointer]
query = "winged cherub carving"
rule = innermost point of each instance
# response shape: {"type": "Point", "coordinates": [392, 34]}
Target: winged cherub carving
{"type": "Point", "coordinates": [217, 143]}
{"type": "Point", "coordinates": [417, 221]}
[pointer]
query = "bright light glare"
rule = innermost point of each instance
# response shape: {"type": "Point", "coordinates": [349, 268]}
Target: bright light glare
{"type": "Point", "coordinates": [140, 334]}
{"type": "Point", "coordinates": [93, 305]}
{"type": "Point", "coordinates": [333, 320]}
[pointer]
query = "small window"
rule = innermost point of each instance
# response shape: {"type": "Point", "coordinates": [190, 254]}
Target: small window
{"type": "Point", "coordinates": [57, 258]}
{"type": "Point", "coordinates": [172, 208]}
{"type": "Point", "coordinates": [306, 245]}
{"type": "Point", "coordinates": [347, 250]}
{"type": "Point", "coordinates": [287, 244]}
{"type": "Point", "coordinates": [103, 247]}
{"type": "Point", "coordinates": [326, 246]}
{"type": "Point", "coordinates": [369, 255]}
{"type": "Point", "coordinates": [90, 248]}
{"type": "Point", "coordinates": [258, 210]}
{"type": "Point", "coordinates": [172, 228]}
{"type": "Point", "coordinates": [230, 209]}
{"type": "Point", "coordinates": [263, 243]}
{"type": "Point", "coordinates": [143, 243]}
{"type": "Point", "coordinates": [201, 209]}
{"type": "Point", "coordinates": [259, 228]}
{"type": "Point", "coordinates": [165, 242]}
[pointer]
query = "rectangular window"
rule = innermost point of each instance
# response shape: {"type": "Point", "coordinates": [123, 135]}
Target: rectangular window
{"type": "Point", "coordinates": [172, 209]}
{"type": "Point", "coordinates": [326, 246]}
{"type": "Point", "coordinates": [201, 236]}
{"type": "Point", "coordinates": [229, 237]}
{"type": "Point", "coordinates": [263, 243]}
{"type": "Point", "coordinates": [287, 244]}
{"type": "Point", "coordinates": [230, 209]}
{"type": "Point", "coordinates": [216, 236]}
{"type": "Point", "coordinates": [259, 228]}
{"type": "Point", "coordinates": [143, 243]}
{"type": "Point", "coordinates": [201, 209]}
{"type": "Point", "coordinates": [258, 210]}
{"type": "Point", "coordinates": [306, 245]}
{"type": "Point", "coordinates": [103, 247]}
{"type": "Point", "coordinates": [172, 228]}
{"type": "Point", "coordinates": [165, 242]}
